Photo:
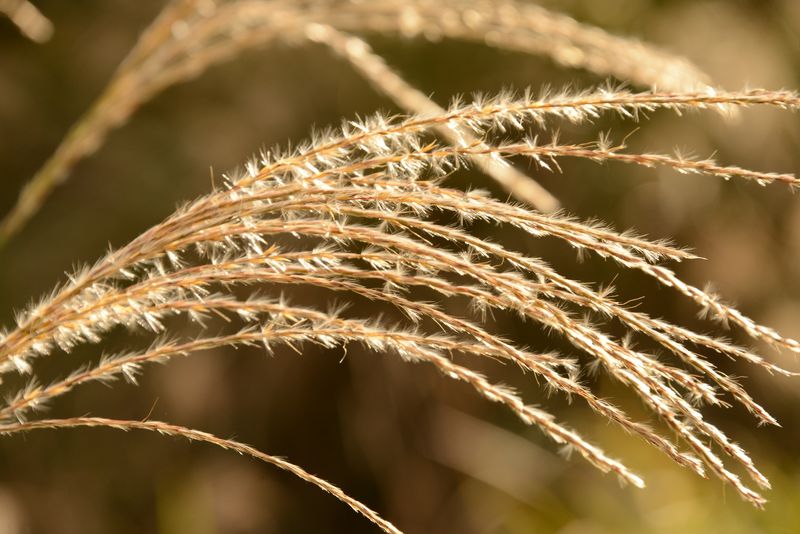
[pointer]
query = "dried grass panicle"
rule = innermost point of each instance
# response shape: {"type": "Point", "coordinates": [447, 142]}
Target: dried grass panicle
{"type": "Point", "coordinates": [365, 206]}
{"type": "Point", "coordinates": [364, 201]}
{"type": "Point", "coordinates": [189, 36]}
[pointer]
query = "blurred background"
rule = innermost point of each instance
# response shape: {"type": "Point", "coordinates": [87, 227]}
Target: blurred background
{"type": "Point", "coordinates": [426, 453]}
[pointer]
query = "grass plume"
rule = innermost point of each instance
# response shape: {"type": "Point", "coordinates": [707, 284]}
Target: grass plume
{"type": "Point", "coordinates": [365, 211]}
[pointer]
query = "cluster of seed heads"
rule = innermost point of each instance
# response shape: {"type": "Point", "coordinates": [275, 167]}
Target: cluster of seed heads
{"type": "Point", "coordinates": [358, 211]}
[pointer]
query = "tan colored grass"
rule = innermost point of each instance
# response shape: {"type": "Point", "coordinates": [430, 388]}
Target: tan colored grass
{"type": "Point", "coordinates": [189, 36]}
{"type": "Point", "coordinates": [166, 429]}
{"type": "Point", "coordinates": [365, 205]}
{"type": "Point", "coordinates": [30, 21]}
